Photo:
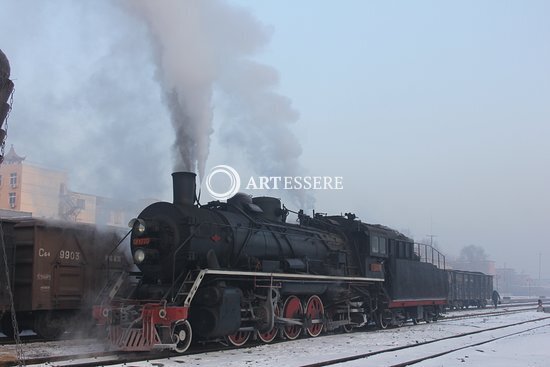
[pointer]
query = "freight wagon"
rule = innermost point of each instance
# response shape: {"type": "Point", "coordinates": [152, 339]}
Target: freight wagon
{"type": "Point", "coordinates": [56, 271]}
{"type": "Point", "coordinates": [468, 288]}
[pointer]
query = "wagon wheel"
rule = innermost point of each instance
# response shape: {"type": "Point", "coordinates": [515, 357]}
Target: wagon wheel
{"type": "Point", "coordinates": [399, 321]}
{"type": "Point", "coordinates": [7, 327]}
{"type": "Point", "coordinates": [436, 315]}
{"type": "Point", "coordinates": [239, 338]}
{"type": "Point", "coordinates": [428, 317]}
{"type": "Point", "coordinates": [182, 336]}
{"type": "Point", "coordinates": [49, 325]}
{"type": "Point", "coordinates": [269, 336]}
{"type": "Point", "coordinates": [348, 328]}
{"type": "Point", "coordinates": [315, 312]}
{"type": "Point", "coordinates": [293, 309]}
{"type": "Point", "coordinates": [384, 318]}
{"type": "Point", "coordinates": [337, 317]}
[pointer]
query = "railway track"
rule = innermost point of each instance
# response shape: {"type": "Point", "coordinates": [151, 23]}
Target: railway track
{"type": "Point", "coordinates": [110, 358]}
{"type": "Point", "coordinates": [24, 339]}
{"type": "Point", "coordinates": [506, 310]}
{"type": "Point", "coordinates": [28, 339]}
{"type": "Point", "coordinates": [448, 345]}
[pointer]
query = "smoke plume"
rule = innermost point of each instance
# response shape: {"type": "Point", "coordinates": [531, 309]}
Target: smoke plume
{"type": "Point", "coordinates": [204, 47]}
{"type": "Point", "coordinates": [188, 63]}
{"type": "Point", "coordinates": [110, 77]}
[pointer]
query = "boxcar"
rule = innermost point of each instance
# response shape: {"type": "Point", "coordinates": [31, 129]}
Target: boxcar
{"type": "Point", "coordinates": [56, 272]}
{"type": "Point", "coordinates": [468, 289]}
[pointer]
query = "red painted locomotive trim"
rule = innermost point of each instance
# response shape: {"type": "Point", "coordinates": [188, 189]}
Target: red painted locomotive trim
{"type": "Point", "coordinates": [141, 241]}
{"type": "Point", "coordinates": [162, 315]}
{"type": "Point", "coordinates": [416, 302]}
{"type": "Point", "coordinates": [144, 338]}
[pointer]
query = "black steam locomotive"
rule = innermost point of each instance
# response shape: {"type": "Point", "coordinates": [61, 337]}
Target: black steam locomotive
{"type": "Point", "coordinates": [236, 270]}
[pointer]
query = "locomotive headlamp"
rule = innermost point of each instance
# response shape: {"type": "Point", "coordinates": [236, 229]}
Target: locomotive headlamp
{"type": "Point", "coordinates": [137, 225]}
{"type": "Point", "coordinates": [139, 256]}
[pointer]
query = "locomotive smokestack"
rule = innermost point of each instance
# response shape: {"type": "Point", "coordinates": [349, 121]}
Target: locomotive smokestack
{"type": "Point", "coordinates": [184, 188]}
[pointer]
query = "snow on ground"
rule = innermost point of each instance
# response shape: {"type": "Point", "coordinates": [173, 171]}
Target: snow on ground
{"type": "Point", "coordinates": [411, 354]}
{"type": "Point", "coordinates": [57, 348]}
{"type": "Point", "coordinates": [528, 349]}
{"type": "Point", "coordinates": [509, 351]}
{"type": "Point", "coordinates": [311, 350]}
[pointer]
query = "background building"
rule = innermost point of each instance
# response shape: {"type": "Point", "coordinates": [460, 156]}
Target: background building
{"type": "Point", "coordinates": [44, 193]}
{"type": "Point", "coordinates": [510, 282]}
{"type": "Point", "coordinates": [484, 266]}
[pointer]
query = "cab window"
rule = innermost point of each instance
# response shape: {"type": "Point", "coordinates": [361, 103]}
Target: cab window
{"type": "Point", "coordinates": [374, 245]}
{"type": "Point", "coordinates": [382, 246]}
{"type": "Point", "coordinates": [378, 246]}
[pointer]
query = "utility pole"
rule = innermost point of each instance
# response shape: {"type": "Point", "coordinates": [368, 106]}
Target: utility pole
{"type": "Point", "coordinates": [540, 257]}
{"type": "Point", "coordinates": [431, 238]}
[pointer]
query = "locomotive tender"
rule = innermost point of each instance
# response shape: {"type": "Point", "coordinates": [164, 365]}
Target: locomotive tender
{"type": "Point", "coordinates": [236, 270]}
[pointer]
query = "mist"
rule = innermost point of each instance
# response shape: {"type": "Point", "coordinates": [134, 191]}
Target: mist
{"type": "Point", "coordinates": [85, 99]}
{"type": "Point", "coordinates": [436, 115]}
{"type": "Point", "coordinates": [124, 93]}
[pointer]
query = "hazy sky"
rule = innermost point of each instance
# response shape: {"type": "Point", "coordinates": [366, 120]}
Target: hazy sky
{"type": "Point", "coordinates": [436, 114]}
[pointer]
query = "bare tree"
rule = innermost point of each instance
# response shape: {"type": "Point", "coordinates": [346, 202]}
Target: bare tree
{"type": "Point", "coordinates": [472, 253]}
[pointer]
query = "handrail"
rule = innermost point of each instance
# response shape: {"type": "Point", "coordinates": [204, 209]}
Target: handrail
{"type": "Point", "coordinates": [429, 254]}
{"type": "Point", "coordinates": [180, 247]}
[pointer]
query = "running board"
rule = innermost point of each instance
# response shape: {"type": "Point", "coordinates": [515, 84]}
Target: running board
{"type": "Point", "coordinates": [272, 277]}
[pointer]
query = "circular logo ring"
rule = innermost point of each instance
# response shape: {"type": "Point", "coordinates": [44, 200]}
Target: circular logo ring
{"type": "Point", "coordinates": [234, 186]}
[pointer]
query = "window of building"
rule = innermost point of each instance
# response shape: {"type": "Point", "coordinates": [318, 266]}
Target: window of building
{"type": "Point", "coordinates": [12, 196]}
{"type": "Point", "coordinates": [13, 179]}
{"type": "Point", "coordinates": [81, 203]}
{"type": "Point", "coordinates": [117, 217]}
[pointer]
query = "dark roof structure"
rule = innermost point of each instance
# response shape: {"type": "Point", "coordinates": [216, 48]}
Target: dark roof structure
{"type": "Point", "coordinates": [12, 157]}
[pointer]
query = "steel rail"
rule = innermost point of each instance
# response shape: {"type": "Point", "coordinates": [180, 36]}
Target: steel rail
{"type": "Point", "coordinates": [409, 346]}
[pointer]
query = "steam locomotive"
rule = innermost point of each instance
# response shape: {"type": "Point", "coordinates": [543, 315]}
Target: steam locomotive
{"type": "Point", "coordinates": [237, 270]}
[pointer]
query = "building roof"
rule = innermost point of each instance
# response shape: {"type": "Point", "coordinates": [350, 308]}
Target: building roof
{"type": "Point", "coordinates": [12, 157]}
{"type": "Point", "coordinates": [6, 213]}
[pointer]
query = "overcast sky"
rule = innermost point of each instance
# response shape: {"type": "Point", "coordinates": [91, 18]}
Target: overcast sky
{"type": "Point", "coordinates": [436, 114]}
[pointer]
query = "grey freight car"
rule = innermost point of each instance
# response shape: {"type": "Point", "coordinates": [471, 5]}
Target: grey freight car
{"type": "Point", "coordinates": [467, 288]}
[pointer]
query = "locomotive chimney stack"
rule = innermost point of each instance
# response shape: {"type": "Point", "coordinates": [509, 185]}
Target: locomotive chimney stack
{"type": "Point", "coordinates": [184, 188]}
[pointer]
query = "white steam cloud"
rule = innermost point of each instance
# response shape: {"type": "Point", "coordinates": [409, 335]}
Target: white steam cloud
{"type": "Point", "coordinates": [206, 46]}
{"type": "Point", "coordinates": [102, 80]}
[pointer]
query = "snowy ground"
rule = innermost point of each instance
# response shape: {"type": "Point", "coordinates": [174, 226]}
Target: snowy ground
{"type": "Point", "coordinates": [529, 349]}
{"type": "Point", "coordinates": [526, 349]}
{"type": "Point", "coordinates": [522, 349]}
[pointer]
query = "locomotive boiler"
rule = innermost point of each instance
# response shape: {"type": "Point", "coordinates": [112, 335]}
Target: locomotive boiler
{"type": "Point", "coordinates": [249, 234]}
{"type": "Point", "coordinates": [235, 270]}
